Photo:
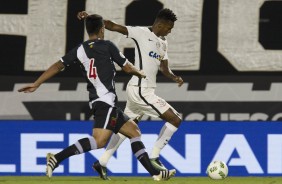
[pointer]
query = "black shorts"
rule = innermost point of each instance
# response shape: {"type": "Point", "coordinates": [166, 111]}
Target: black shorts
{"type": "Point", "coordinates": [108, 117]}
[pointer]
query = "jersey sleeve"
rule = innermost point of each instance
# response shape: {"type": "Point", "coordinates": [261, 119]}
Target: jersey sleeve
{"type": "Point", "coordinates": [70, 58]}
{"type": "Point", "coordinates": [134, 32]}
{"type": "Point", "coordinates": [116, 55]}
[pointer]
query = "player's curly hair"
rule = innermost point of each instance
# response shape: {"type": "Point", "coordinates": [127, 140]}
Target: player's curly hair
{"type": "Point", "coordinates": [166, 14]}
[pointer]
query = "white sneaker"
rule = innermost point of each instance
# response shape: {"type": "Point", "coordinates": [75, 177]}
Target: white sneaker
{"type": "Point", "coordinates": [50, 165]}
{"type": "Point", "coordinates": [164, 175]}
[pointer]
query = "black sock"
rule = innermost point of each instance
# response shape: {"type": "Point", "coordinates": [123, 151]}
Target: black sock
{"type": "Point", "coordinates": [66, 153]}
{"type": "Point", "coordinates": [81, 146]}
{"type": "Point", "coordinates": [138, 149]}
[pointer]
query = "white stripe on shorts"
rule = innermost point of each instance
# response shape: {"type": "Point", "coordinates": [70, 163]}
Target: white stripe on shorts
{"type": "Point", "coordinates": [108, 117]}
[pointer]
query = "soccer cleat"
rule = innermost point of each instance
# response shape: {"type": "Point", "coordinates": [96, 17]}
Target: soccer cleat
{"type": "Point", "coordinates": [164, 175]}
{"type": "Point", "coordinates": [158, 164]}
{"type": "Point", "coordinates": [51, 164]}
{"type": "Point", "coordinates": [101, 170]}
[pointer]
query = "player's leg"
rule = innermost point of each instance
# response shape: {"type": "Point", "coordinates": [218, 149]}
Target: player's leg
{"type": "Point", "coordinates": [116, 140]}
{"type": "Point", "coordinates": [101, 133]}
{"type": "Point", "coordinates": [100, 169]}
{"type": "Point", "coordinates": [99, 140]}
{"type": "Point", "coordinates": [170, 127]}
{"type": "Point", "coordinates": [113, 145]}
{"type": "Point", "coordinates": [101, 165]}
{"type": "Point", "coordinates": [158, 107]}
{"type": "Point", "coordinates": [130, 110]}
{"type": "Point", "coordinates": [131, 130]}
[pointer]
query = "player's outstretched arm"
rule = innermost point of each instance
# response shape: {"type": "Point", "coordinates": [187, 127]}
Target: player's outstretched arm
{"type": "Point", "coordinates": [112, 26]}
{"type": "Point", "coordinates": [169, 74]}
{"type": "Point", "coordinates": [109, 25]}
{"type": "Point", "coordinates": [130, 69]}
{"type": "Point", "coordinates": [50, 72]}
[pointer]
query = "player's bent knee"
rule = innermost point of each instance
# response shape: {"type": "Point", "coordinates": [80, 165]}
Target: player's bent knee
{"type": "Point", "coordinates": [175, 121]}
{"type": "Point", "coordinates": [135, 131]}
{"type": "Point", "coordinates": [178, 120]}
{"type": "Point", "coordinates": [101, 142]}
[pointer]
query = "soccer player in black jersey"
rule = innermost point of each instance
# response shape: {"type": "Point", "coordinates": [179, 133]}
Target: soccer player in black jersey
{"type": "Point", "coordinates": [96, 57]}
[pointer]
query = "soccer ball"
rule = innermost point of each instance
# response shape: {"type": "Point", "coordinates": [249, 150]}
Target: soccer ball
{"type": "Point", "coordinates": [217, 170]}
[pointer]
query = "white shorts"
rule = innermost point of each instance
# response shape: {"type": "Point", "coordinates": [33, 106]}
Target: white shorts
{"type": "Point", "coordinates": [141, 100]}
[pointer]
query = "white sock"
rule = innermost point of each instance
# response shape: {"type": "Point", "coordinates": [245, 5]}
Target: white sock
{"type": "Point", "coordinates": [113, 145]}
{"type": "Point", "coordinates": [165, 135]}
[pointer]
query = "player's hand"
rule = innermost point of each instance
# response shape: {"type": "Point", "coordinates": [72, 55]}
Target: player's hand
{"type": "Point", "coordinates": [143, 75]}
{"type": "Point", "coordinates": [82, 15]}
{"type": "Point", "coordinates": [179, 80]}
{"type": "Point", "coordinates": [29, 88]}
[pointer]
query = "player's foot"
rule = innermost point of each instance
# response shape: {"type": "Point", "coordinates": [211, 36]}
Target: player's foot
{"type": "Point", "coordinates": [51, 164]}
{"type": "Point", "coordinates": [164, 175]}
{"type": "Point", "coordinates": [101, 170]}
{"type": "Point", "coordinates": [158, 164]}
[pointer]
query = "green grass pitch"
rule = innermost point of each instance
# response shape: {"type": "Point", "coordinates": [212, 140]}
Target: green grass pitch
{"type": "Point", "coordinates": [135, 180]}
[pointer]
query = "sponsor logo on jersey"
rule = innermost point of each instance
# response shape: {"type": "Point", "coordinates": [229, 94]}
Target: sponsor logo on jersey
{"type": "Point", "coordinates": [155, 55]}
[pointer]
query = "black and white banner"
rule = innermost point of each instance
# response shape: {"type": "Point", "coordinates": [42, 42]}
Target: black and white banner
{"type": "Point", "coordinates": [228, 52]}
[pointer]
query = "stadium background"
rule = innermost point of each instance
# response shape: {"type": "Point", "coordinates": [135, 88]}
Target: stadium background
{"type": "Point", "coordinates": [228, 53]}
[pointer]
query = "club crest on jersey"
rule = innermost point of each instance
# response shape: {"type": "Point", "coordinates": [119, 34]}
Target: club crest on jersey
{"type": "Point", "coordinates": [91, 44]}
{"type": "Point", "coordinates": [158, 45]}
{"type": "Point", "coordinates": [155, 55]}
{"type": "Point", "coordinates": [164, 46]}
{"type": "Point", "coordinates": [161, 45]}
{"type": "Point", "coordinates": [113, 121]}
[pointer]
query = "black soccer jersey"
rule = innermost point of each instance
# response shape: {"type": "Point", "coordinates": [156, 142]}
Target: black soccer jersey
{"type": "Point", "coordinates": [96, 58]}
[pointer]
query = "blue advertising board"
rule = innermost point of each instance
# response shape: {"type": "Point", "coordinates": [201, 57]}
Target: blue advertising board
{"type": "Point", "coordinates": [248, 148]}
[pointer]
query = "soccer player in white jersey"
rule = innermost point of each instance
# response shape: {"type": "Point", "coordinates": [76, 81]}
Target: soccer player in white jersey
{"type": "Point", "coordinates": [150, 56]}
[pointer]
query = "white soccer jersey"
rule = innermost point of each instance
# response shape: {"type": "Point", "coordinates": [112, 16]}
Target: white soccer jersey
{"type": "Point", "coordinates": [149, 51]}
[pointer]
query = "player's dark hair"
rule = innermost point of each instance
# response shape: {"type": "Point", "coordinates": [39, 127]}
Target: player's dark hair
{"type": "Point", "coordinates": [94, 23]}
{"type": "Point", "coordinates": [166, 14]}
